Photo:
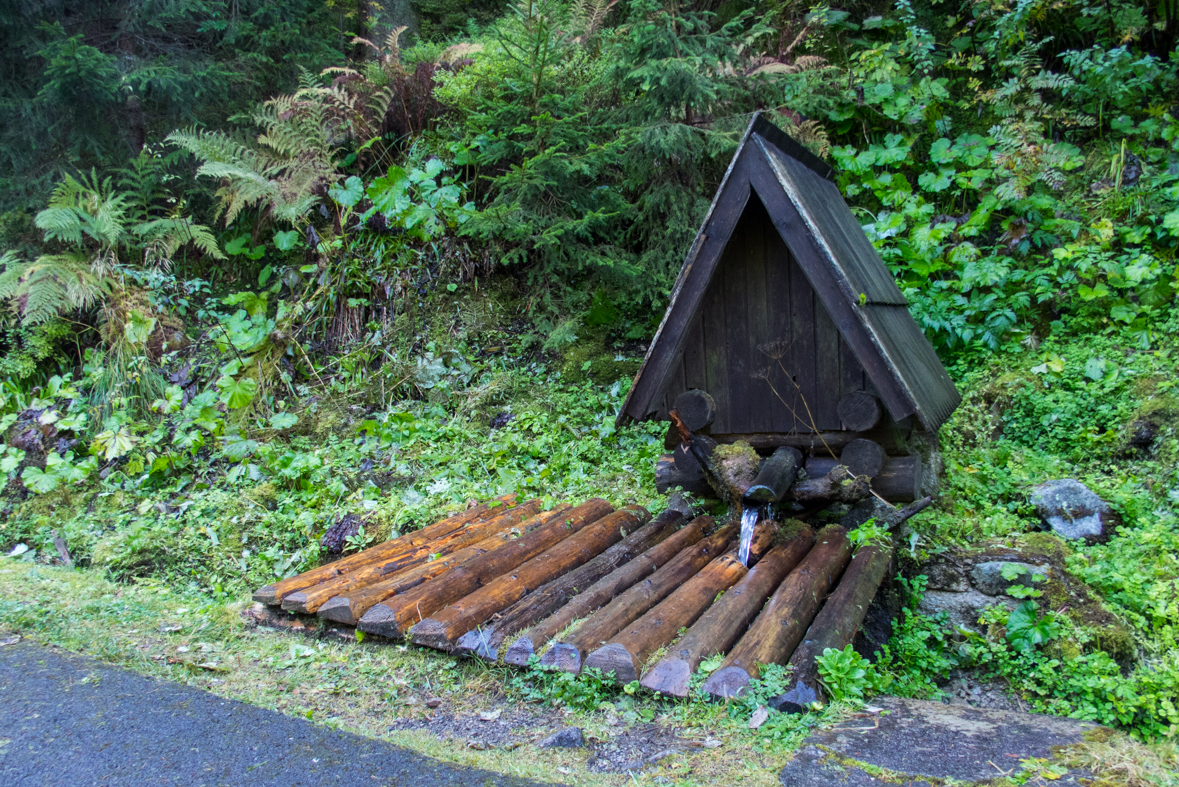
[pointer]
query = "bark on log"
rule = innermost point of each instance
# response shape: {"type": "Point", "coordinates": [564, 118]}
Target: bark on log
{"type": "Point", "coordinates": [569, 655]}
{"type": "Point", "coordinates": [780, 626]}
{"type": "Point", "coordinates": [838, 486]}
{"type": "Point", "coordinates": [696, 409]}
{"type": "Point", "coordinates": [350, 607]}
{"type": "Point", "coordinates": [668, 477]}
{"type": "Point", "coordinates": [726, 620]}
{"type": "Point", "coordinates": [899, 480]}
{"type": "Point", "coordinates": [628, 651]}
{"type": "Point", "coordinates": [274, 594]}
{"type": "Point", "coordinates": [863, 457]}
{"type": "Point", "coordinates": [309, 600]}
{"type": "Point", "coordinates": [859, 411]}
{"type": "Point", "coordinates": [835, 627]}
{"type": "Point", "coordinates": [440, 630]}
{"type": "Point", "coordinates": [603, 591]}
{"type": "Point", "coordinates": [394, 616]}
{"type": "Point", "coordinates": [777, 475]}
{"type": "Point", "coordinates": [485, 641]}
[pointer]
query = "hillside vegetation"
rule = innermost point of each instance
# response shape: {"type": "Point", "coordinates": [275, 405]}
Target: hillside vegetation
{"type": "Point", "coordinates": [261, 272]}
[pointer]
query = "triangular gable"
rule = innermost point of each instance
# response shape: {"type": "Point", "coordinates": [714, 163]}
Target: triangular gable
{"type": "Point", "coordinates": [840, 263]}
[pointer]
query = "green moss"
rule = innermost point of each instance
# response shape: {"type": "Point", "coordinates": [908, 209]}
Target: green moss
{"type": "Point", "coordinates": [1048, 544]}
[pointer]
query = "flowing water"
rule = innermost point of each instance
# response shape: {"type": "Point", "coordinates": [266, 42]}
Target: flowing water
{"type": "Point", "coordinates": [748, 522]}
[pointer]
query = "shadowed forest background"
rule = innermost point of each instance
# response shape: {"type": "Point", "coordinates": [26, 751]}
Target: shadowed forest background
{"type": "Point", "coordinates": [269, 265]}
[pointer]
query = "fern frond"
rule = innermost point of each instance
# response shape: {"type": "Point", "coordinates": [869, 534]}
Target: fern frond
{"type": "Point", "coordinates": [49, 286]}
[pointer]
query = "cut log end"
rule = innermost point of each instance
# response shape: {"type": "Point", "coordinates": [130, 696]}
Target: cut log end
{"type": "Point", "coordinates": [863, 457]}
{"type": "Point", "coordinates": [696, 409]}
{"type": "Point", "coordinates": [776, 476]}
{"type": "Point", "coordinates": [670, 676]}
{"type": "Point", "coordinates": [476, 644]}
{"type": "Point", "coordinates": [799, 698]}
{"type": "Point", "coordinates": [382, 621]}
{"type": "Point", "coordinates": [727, 683]}
{"type": "Point", "coordinates": [564, 657]}
{"type": "Point", "coordinates": [520, 652]}
{"type": "Point", "coordinates": [338, 609]}
{"type": "Point", "coordinates": [267, 595]}
{"type": "Point", "coordinates": [296, 602]}
{"type": "Point", "coordinates": [616, 659]}
{"type": "Point", "coordinates": [859, 411]}
{"type": "Point", "coordinates": [431, 633]}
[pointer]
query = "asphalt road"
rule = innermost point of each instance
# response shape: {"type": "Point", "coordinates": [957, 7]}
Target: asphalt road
{"type": "Point", "coordinates": [70, 720]}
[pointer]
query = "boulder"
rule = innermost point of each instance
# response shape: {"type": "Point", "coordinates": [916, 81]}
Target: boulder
{"type": "Point", "coordinates": [1071, 510]}
{"type": "Point", "coordinates": [987, 577]}
{"type": "Point", "coordinates": [568, 738]}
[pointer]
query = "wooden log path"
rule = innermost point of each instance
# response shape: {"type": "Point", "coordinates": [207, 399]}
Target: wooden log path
{"type": "Point", "coordinates": [485, 641]}
{"type": "Point", "coordinates": [777, 630]}
{"type": "Point", "coordinates": [588, 586]}
{"type": "Point", "coordinates": [440, 630]}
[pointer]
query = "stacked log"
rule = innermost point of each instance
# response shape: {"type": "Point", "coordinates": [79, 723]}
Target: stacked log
{"type": "Point", "coordinates": [780, 626]}
{"type": "Point", "coordinates": [570, 653]}
{"type": "Point", "coordinates": [726, 620]}
{"type": "Point", "coordinates": [603, 591]}
{"type": "Point", "coordinates": [442, 629]}
{"type": "Point", "coordinates": [626, 652]}
{"type": "Point", "coordinates": [395, 616]}
{"type": "Point", "coordinates": [350, 606]}
{"type": "Point", "coordinates": [834, 627]}
{"type": "Point", "coordinates": [274, 594]}
{"type": "Point", "coordinates": [485, 641]}
{"type": "Point", "coordinates": [309, 600]}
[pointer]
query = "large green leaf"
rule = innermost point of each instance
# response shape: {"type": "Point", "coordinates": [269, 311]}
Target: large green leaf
{"type": "Point", "coordinates": [236, 394]}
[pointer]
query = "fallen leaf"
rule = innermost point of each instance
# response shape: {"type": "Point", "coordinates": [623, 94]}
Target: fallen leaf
{"type": "Point", "coordinates": [168, 628]}
{"type": "Point", "coordinates": [212, 666]}
{"type": "Point", "coordinates": [9, 640]}
{"type": "Point", "coordinates": [565, 771]}
{"type": "Point", "coordinates": [872, 709]}
{"type": "Point", "coordinates": [759, 717]}
{"type": "Point", "coordinates": [711, 743]}
{"type": "Point", "coordinates": [490, 715]}
{"type": "Point", "coordinates": [433, 702]}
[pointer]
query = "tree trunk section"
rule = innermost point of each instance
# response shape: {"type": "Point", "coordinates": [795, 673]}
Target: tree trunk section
{"type": "Point", "coordinates": [485, 642]}
{"type": "Point", "coordinates": [274, 594]}
{"type": "Point", "coordinates": [603, 591]}
{"type": "Point", "coordinates": [776, 476]}
{"type": "Point", "coordinates": [777, 631]}
{"type": "Point", "coordinates": [838, 486]}
{"type": "Point", "coordinates": [441, 629]}
{"type": "Point", "coordinates": [394, 616]}
{"type": "Point", "coordinates": [726, 620]}
{"type": "Point", "coordinates": [309, 600]}
{"type": "Point", "coordinates": [835, 627]}
{"type": "Point", "coordinates": [668, 477]}
{"type": "Point", "coordinates": [899, 480]}
{"type": "Point", "coordinates": [569, 655]}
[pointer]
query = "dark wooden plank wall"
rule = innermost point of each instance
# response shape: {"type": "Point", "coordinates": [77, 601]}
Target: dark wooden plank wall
{"type": "Point", "coordinates": [759, 305]}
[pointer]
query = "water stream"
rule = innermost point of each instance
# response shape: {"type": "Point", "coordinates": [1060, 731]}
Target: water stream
{"type": "Point", "coordinates": [748, 521]}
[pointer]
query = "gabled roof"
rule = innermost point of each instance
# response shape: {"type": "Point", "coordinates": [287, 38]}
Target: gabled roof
{"type": "Point", "coordinates": [840, 263]}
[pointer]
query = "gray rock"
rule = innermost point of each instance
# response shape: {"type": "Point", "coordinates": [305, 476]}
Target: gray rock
{"type": "Point", "coordinates": [988, 577]}
{"type": "Point", "coordinates": [1072, 510]}
{"type": "Point", "coordinates": [962, 609]}
{"type": "Point", "coordinates": [918, 740]}
{"type": "Point", "coordinates": [568, 738]}
{"type": "Point", "coordinates": [946, 576]}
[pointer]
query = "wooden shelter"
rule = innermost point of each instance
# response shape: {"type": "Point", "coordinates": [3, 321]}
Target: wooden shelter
{"type": "Point", "coordinates": [786, 315]}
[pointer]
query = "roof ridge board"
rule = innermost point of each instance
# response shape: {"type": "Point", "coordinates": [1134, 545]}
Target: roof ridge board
{"type": "Point", "coordinates": [813, 221]}
{"type": "Point", "coordinates": [791, 147]}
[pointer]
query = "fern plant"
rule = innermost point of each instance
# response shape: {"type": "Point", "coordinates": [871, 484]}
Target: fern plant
{"type": "Point", "coordinates": [95, 224]}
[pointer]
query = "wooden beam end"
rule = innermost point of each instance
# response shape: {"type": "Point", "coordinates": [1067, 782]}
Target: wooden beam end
{"type": "Point", "coordinates": [339, 609]}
